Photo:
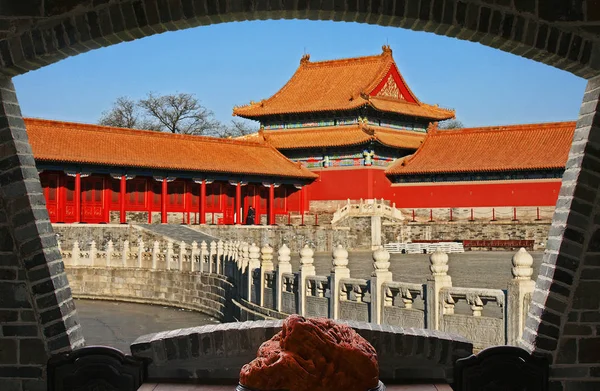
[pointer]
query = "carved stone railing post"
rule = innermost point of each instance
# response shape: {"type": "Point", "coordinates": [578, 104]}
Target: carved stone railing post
{"type": "Point", "coordinates": [212, 256]}
{"type": "Point", "coordinates": [266, 265]}
{"type": "Point", "coordinates": [140, 253]}
{"type": "Point", "coordinates": [125, 253]}
{"type": "Point", "coordinates": [220, 252]}
{"type": "Point", "coordinates": [155, 253]}
{"type": "Point", "coordinates": [231, 255]}
{"type": "Point", "coordinates": [181, 257]}
{"type": "Point", "coordinates": [75, 254]}
{"type": "Point", "coordinates": [253, 264]}
{"type": "Point", "coordinates": [236, 259]}
{"type": "Point", "coordinates": [283, 267]}
{"type": "Point", "coordinates": [93, 253]}
{"type": "Point", "coordinates": [203, 255]}
{"type": "Point", "coordinates": [110, 249]}
{"type": "Point", "coordinates": [239, 262]}
{"type": "Point", "coordinates": [224, 258]}
{"type": "Point", "coordinates": [244, 263]}
{"type": "Point", "coordinates": [307, 269]}
{"type": "Point", "coordinates": [338, 272]}
{"type": "Point", "coordinates": [438, 279]}
{"type": "Point", "coordinates": [169, 255]}
{"type": "Point", "coordinates": [520, 289]}
{"type": "Point", "coordinates": [194, 256]}
{"type": "Point", "coordinates": [380, 276]}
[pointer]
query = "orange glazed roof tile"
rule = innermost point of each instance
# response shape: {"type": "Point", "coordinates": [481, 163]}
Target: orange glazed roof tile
{"type": "Point", "coordinates": [338, 136]}
{"type": "Point", "coordinates": [101, 145]}
{"type": "Point", "coordinates": [339, 85]}
{"type": "Point", "coordinates": [490, 149]}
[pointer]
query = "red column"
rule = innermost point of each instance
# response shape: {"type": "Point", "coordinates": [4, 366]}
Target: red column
{"type": "Point", "coordinates": [187, 201]}
{"type": "Point", "coordinates": [77, 197]}
{"type": "Point", "coordinates": [256, 204]}
{"type": "Point", "coordinates": [106, 198]}
{"type": "Point", "coordinates": [271, 205]}
{"type": "Point", "coordinates": [203, 202]}
{"type": "Point", "coordinates": [163, 202]}
{"type": "Point", "coordinates": [122, 195]}
{"type": "Point", "coordinates": [149, 197]}
{"type": "Point", "coordinates": [238, 204]}
{"type": "Point", "coordinates": [302, 196]}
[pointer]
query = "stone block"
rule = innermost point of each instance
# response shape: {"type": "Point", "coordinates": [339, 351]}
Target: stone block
{"type": "Point", "coordinates": [21, 372]}
{"type": "Point", "coordinates": [567, 351]}
{"type": "Point", "coordinates": [588, 350]}
{"type": "Point", "coordinates": [8, 351]}
{"type": "Point", "coordinates": [14, 295]}
{"type": "Point", "coordinates": [32, 351]}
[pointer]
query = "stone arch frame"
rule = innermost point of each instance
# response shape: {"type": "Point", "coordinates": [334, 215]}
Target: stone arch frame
{"type": "Point", "coordinates": [564, 317]}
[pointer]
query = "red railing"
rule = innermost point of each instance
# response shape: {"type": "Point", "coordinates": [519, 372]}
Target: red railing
{"type": "Point", "coordinates": [498, 243]}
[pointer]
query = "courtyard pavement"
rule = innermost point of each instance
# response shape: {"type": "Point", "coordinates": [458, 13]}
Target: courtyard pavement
{"type": "Point", "coordinates": [118, 324]}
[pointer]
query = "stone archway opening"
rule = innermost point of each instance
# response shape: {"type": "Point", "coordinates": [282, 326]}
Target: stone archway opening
{"type": "Point", "coordinates": [563, 318]}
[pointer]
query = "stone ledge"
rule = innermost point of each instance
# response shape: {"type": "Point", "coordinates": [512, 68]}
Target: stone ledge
{"type": "Point", "coordinates": [219, 351]}
{"type": "Point", "coordinates": [198, 292]}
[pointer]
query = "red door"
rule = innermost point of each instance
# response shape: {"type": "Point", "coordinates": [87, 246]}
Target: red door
{"type": "Point", "coordinates": [50, 186]}
{"type": "Point", "coordinates": [228, 212]}
{"type": "Point", "coordinates": [67, 214]}
{"type": "Point", "coordinates": [92, 200]}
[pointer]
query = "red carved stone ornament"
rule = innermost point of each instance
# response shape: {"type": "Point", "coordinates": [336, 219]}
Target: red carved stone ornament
{"type": "Point", "coordinates": [313, 355]}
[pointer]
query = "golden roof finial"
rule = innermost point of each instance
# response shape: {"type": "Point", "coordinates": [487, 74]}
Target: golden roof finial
{"type": "Point", "coordinates": [387, 49]}
{"type": "Point", "coordinates": [305, 58]}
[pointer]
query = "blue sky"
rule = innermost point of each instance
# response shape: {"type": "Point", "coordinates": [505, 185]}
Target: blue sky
{"type": "Point", "coordinates": [233, 63]}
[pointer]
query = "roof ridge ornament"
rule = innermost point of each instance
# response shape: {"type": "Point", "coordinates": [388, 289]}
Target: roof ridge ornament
{"type": "Point", "coordinates": [432, 128]}
{"type": "Point", "coordinates": [305, 59]}
{"type": "Point", "coordinates": [386, 49]}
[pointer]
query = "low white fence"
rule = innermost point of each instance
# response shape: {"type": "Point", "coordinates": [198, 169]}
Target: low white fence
{"type": "Point", "coordinates": [424, 248]}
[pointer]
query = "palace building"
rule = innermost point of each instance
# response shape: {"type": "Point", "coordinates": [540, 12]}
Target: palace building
{"type": "Point", "coordinates": [338, 130]}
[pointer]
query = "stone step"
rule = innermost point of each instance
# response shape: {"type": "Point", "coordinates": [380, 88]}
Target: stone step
{"type": "Point", "coordinates": [178, 233]}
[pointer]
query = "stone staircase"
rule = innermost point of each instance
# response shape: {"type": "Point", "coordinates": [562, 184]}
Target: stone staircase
{"type": "Point", "coordinates": [367, 208]}
{"type": "Point", "coordinates": [177, 233]}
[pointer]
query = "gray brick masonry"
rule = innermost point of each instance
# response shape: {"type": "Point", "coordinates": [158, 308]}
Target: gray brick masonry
{"type": "Point", "coordinates": [219, 351]}
{"type": "Point", "coordinates": [35, 319]}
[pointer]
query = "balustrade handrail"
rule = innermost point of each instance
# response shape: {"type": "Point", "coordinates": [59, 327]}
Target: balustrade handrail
{"type": "Point", "coordinates": [366, 207]}
{"type": "Point", "coordinates": [318, 278]}
{"type": "Point", "coordinates": [408, 285]}
{"type": "Point", "coordinates": [381, 297]}
{"type": "Point", "coordinates": [497, 295]}
{"type": "Point", "coordinates": [354, 281]}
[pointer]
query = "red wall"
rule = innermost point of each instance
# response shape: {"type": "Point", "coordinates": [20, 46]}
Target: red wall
{"type": "Point", "coordinates": [370, 183]}
{"type": "Point", "coordinates": [335, 184]}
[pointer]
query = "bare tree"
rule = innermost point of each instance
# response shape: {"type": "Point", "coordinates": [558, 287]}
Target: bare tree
{"type": "Point", "coordinates": [123, 114]}
{"type": "Point", "coordinates": [179, 113]}
{"type": "Point", "coordinates": [174, 113]}
{"type": "Point", "coordinates": [451, 124]}
{"type": "Point", "coordinates": [235, 129]}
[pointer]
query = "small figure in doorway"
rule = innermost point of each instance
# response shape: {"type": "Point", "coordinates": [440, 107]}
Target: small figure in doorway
{"type": "Point", "coordinates": [250, 216]}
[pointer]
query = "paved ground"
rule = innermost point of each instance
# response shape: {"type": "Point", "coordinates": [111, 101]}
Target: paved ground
{"type": "Point", "coordinates": [178, 232]}
{"type": "Point", "coordinates": [119, 324]}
